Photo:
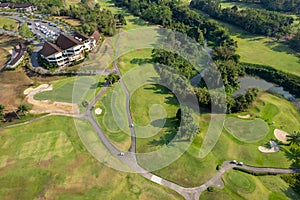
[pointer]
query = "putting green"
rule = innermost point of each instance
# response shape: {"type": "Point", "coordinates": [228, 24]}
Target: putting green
{"type": "Point", "coordinates": [247, 130]}
{"type": "Point", "coordinates": [241, 183]}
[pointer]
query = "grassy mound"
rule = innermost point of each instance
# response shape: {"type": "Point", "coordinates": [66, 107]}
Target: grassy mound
{"type": "Point", "coordinates": [247, 130]}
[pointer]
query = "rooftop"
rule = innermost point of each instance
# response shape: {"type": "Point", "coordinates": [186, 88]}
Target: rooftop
{"type": "Point", "coordinates": [49, 49]}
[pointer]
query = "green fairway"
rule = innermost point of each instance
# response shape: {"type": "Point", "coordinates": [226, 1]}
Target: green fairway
{"type": "Point", "coordinates": [73, 90]}
{"type": "Point", "coordinates": [46, 159]}
{"type": "Point", "coordinates": [154, 113]}
{"type": "Point", "coordinates": [263, 50]}
{"type": "Point", "coordinates": [247, 130]}
{"type": "Point", "coordinates": [9, 24]}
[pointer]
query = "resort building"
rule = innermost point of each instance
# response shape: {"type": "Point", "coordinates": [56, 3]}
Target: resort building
{"type": "Point", "coordinates": [19, 7]}
{"type": "Point", "coordinates": [68, 49]}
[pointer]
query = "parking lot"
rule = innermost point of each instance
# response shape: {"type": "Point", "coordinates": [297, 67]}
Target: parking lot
{"type": "Point", "coordinates": [45, 30]}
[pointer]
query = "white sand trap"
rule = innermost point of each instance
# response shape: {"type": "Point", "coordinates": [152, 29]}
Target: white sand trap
{"type": "Point", "coordinates": [41, 88]}
{"type": "Point", "coordinates": [281, 135]}
{"type": "Point", "coordinates": [46, 106]}
{"type": "Point", "coordinates": [274, 148]}
{"type": "Point", "coordinates": [245, 116]}
{"type": "Point", "coordinates": [98, 111]}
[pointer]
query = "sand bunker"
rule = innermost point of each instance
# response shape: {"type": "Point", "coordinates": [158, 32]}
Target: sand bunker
{"type": "Point", "coordinates": [280, 135]}
{"type": "Point", "coordinates": [98, 111]}
{"type": "Point", "coordinates": [274, 148]}
{"type": "Point", "coordinates": [47, 106]}
{"type": "Point", "coordinates": [245, 116]}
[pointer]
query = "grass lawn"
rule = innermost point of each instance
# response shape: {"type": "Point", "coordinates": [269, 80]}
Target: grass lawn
{"type": "Point", "coordinates": [11, 24]}
{"type": "Point", "coordinates": [247, 130]}
{"type": "Point", "coordinates": [263, 50]}
{"type": "Point", "coordinates": [239, 185]}
{"type": "Point", "coordinates": [73, 90]}
{"type": "Point", "coordinates": [39, 161]}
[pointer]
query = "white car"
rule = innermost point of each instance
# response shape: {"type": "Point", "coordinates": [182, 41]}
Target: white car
{"type": "Point", "coordinates": [233, 162]}
{"type": "Point", "coordinates": [240, 164]}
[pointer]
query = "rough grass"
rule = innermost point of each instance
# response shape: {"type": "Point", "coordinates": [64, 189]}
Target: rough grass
{"type": "Point", "coordinates": [58, 166]}
{"type": "Point", "coordinates": [10, 23]}
{"type": "Point", "coordinates": [247, 130]}
{"type": "Point", "coordinates": [13, 83]}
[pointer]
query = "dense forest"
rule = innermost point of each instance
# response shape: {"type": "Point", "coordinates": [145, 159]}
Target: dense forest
{"type": "Point", "coordinates": [91, 18]}
{"type": "Point", "coordinates": [255, 21]}
{"type": "Point", "coordinates": [292, 6]}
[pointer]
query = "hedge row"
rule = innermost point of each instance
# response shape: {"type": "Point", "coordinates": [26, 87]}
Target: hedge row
{"type": "Point", "coordinates": [288, 81]}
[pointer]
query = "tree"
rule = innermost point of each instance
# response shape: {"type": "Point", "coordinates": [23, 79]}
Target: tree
{"type": "Point", "coordinates": [294, 138]}
{"type": "Point", "coordinates": [22, 108]}
{"type": "Point", "coordinates": [112, 78]}
{"type": "Point", "coordinates": [2, 107]}
{"type": "Point", "coordinates": [25, 31]}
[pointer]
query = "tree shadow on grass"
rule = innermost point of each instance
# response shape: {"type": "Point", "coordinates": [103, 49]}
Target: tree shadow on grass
{"type": "Point", "coordinates": [172, 125]}
{"type": "Point", "coordinates": [141, 61]}
{"type": "Point", "coordinates": [97, 85]}
{"type": "Point", "coordinates": [280, 47]}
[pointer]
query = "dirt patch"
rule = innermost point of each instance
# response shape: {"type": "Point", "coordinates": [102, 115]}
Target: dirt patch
{"type": "Point", "coordinates": [47, 106]}
{"type": "Point", "coordinates": [13, 83]}
{"type": "Point", "coordinates": [244, 116]}
{"type": "Point", "coordinates": [280, 135]}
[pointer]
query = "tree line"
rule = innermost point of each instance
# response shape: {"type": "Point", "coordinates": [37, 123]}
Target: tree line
{"type": "Point", "coordinates": [257, 21]}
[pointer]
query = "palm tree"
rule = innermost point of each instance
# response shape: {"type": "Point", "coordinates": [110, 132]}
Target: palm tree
{"type": "Point", "coordinates": [22, 108]}
{"type": "Point", "coordinates": [294, 138]}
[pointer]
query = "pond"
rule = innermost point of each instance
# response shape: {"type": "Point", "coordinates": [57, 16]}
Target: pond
{"type": "Point", "coordinates": [248, 82]}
